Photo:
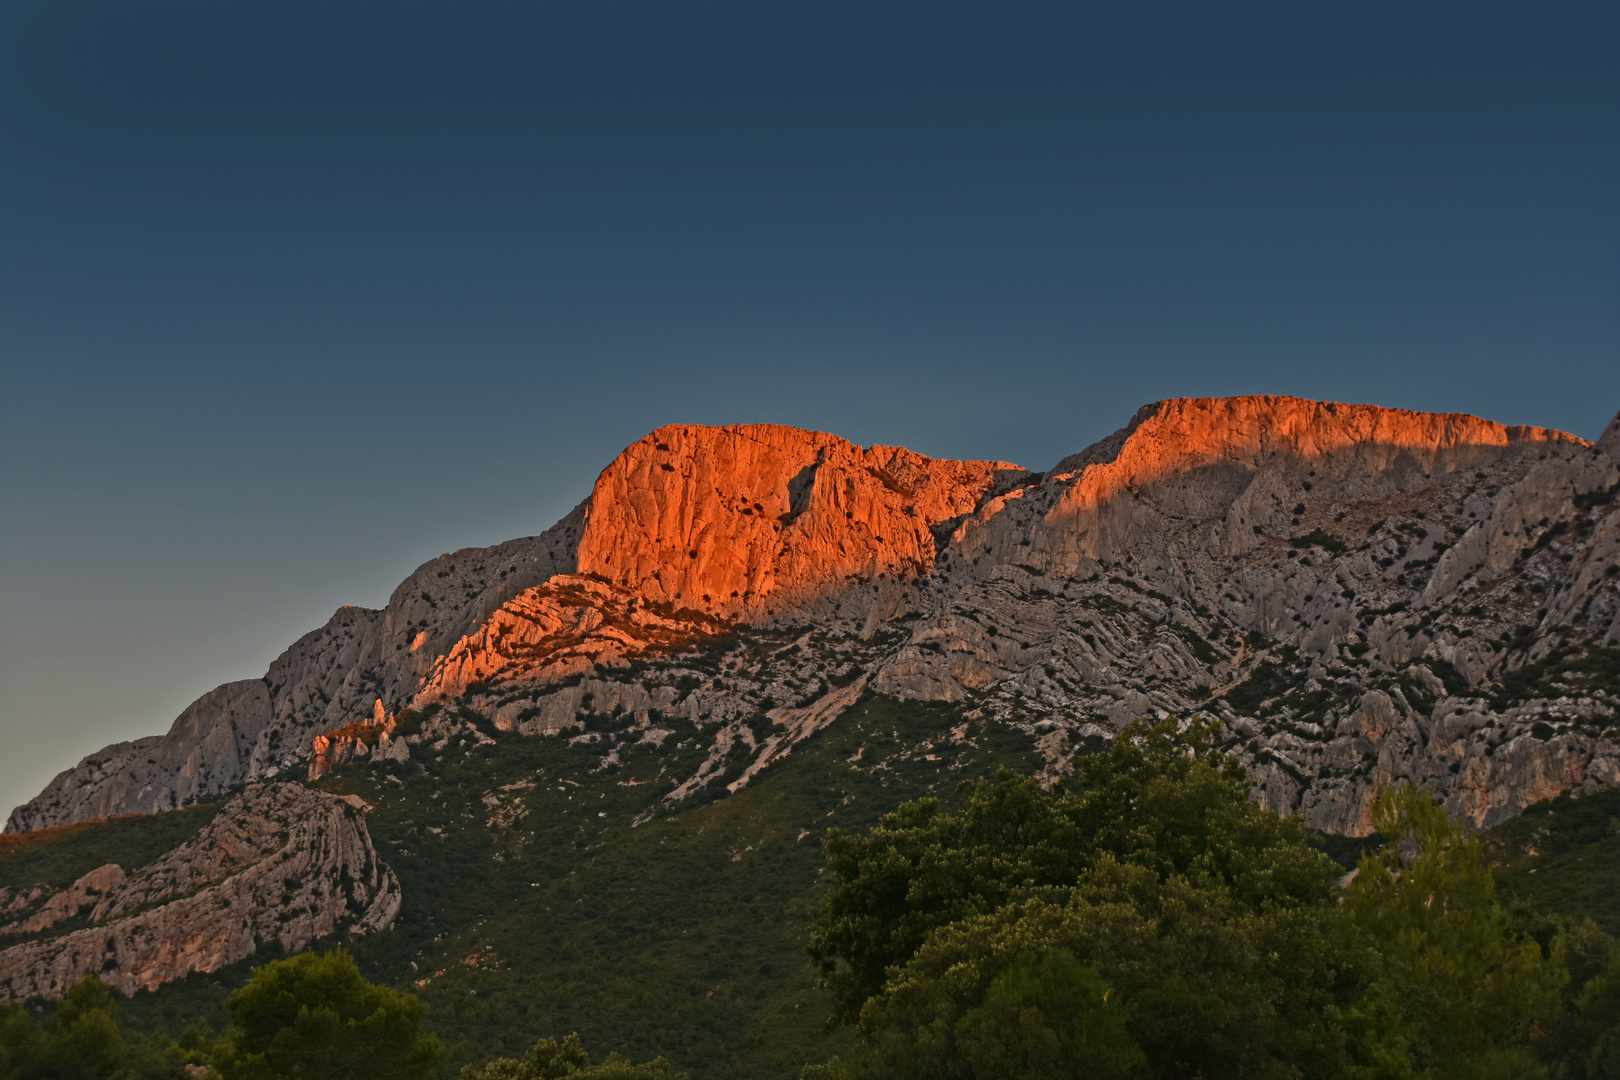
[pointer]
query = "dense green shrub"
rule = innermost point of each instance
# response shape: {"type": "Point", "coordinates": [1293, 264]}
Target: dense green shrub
{"type": "Point", "coordinates": [80, 1039]}
{"type": "Point", "coordinates": [312, 1017]}
{"type": "Point", "coordinates": [567, 1060]}
{"type": "Point", "coordinates": [1153, 921]}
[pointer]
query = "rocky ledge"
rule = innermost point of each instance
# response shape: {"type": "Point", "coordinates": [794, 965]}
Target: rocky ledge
{"type": "Point", "coordinates": [278, 863]}
{"type": "Point", "coordinates": [1360, 594]}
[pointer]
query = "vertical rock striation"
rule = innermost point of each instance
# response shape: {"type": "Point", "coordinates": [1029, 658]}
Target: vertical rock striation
{"type": "Point", "coordinates": [749, 520]}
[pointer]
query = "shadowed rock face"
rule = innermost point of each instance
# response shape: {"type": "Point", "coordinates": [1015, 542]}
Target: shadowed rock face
{"type": "Point", "coordinates": [278, 863]}
{"type": "Point", "coordinates": [1363, 549]}
{"type": "Point", "coordinates": [210, 747]}
{"type": "Point", "coordinates": [819, 513]}
{"type": "Point", "coordinates": [1233, 458]}
{"type": "Point", "coordinates": [1609, 441]}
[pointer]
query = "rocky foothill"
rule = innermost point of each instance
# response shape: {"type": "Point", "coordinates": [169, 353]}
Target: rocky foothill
{"type": "Point", "coordinates": [279, 863]}
{"type": "Point", "coordinates": [1360, 595]}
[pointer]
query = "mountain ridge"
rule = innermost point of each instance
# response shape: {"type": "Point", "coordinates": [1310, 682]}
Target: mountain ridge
{"type": "Point", "coordinates": [806, 528]}
{"type": "Point", "coordinates": [759, 625]}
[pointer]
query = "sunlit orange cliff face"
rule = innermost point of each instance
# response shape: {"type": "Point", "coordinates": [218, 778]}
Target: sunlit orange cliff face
{"type": "Point", "coordinates": [1360, 596]}
{"type": "Point", "coordinates": [1202, 457]}
{"type": "Point", "coordinates": [694, 532]}
{"type": "Point", "coordinates": [745, 520]}
{"type": "Point", "coordinates": [694, 527]}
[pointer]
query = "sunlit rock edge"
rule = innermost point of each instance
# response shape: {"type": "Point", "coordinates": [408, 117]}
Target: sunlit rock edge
{"type": "Point", "coordinates": [1360, 581]}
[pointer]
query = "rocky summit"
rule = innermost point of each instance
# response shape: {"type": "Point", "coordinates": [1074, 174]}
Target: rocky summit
{"type": "Point", "coordinates": [1359, 595]}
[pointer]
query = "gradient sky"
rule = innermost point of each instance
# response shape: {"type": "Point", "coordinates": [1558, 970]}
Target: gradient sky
{"type": "Point", "coordinates": [295, 295]}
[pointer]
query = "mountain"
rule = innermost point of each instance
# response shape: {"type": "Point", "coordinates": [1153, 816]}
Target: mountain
{"type": "Point", "coordinates": [279, 863]}
{"type": "Point", "coordinates": [754, 624]}
{"type": "Point", "coordinates": [1369, 541]}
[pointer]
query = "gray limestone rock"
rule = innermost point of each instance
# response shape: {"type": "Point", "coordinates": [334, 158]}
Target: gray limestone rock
{"type": "Point", "coordinates": [279, 863]}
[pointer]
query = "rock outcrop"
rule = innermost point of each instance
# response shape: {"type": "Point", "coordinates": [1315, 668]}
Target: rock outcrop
{"type": "Point", "coordinates": [568, 626]}
{"type": "Point", "coordinates": [747, 521]}
{"type": "Point", "coordinates": [209, 748]}
{"type": "Point", "coordinates": [278, 863]}
{"type": "Point", "coordinates": [819, 513]}
{"type": "Point", "coordinates": [1609, 441]}
{"type": "Point", "coordinates": [259, 728]}
{"type": "Point", "coordinates": [1360, 594]}
{"type": "Point", "coordinates": [1236, 459]}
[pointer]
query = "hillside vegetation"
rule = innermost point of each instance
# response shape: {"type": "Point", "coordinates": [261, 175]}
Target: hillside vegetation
{"type": "Point", "coordinates": [535, 905]}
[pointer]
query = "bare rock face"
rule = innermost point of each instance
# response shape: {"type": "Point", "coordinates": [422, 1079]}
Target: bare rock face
{"type": "Point", "coordinates": [99, 781]}
{"type": "Point", "coordinates": [278, 863]}
{"type": "Point", "coordinates": [209, 747]}
{"type": "Point", "coordinates": [333, 676]}
{"type": "Point", "coordinates": [381, 740]}
{"type": "Point", "coordinates": [570, 625]}
{"type": "Point", "coordinates": [670, 533]}
{"type": "Point", "coordinates": [1609, 441]}
{"type": "Point", "coordinates": [1361, 595]}
{"type": "Point", "coordinates": [746, 521]}
{"type": "Point", "coordinates": [1235, 459]}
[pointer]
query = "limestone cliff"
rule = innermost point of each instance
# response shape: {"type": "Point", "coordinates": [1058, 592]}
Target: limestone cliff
{"type": "Point", "coordinates": [258, 728]}
{"type": "Point", "coordinates": [1236, 459]}
{"type": "Point", "coordinates": [279, 863]}
{"type": "Point", "coordinates": [1360, 594]}
{"type": "Point", "coordinates": [747, 521]}
{"type": "Point", "coordinates": [1609, 441]}
{"type": "Point", "coordinates": [819, 513]}
{"type": "Point", "coordinates": [1295, 564]}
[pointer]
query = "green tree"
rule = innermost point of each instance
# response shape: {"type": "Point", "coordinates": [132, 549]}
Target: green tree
{"type": "Point", "coordinates": [81, 1040]}
{"type": "Point", "coordinates": [312, 1017]}
{"type": "Point", "coordinates": [1597, 1022]}
{"type": "Point", "coordinates": [1154, 910]}
{"type": "Point", "coordinates": [1455, 990]}
{"type": "Point", "coordinates": [1158, 797]}
{"type": "Point", "coordinates": [22, 1043]}
{"type": "Point", "coordinates": [920, 868]}
{"type": "Point", "coordinates": [1205, 987]}
{"type": "Point", "coordinates": [1052, 1019]}
{"type": "Point", "coordinates": [1591, 960]}
{"type": "Point", "coordinates": [553, 1060]}
{"type": "Point", "coordinates": [85, 1040]}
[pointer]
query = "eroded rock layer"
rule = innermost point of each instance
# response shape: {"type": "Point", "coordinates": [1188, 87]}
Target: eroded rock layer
{"type": "Point", "coordinates": [330, 677]}
{"type": "Point", "coordinates": [278, 863]}
{"type": "Point", "coordinates": [1359, 594]}
{"type": "Point", "coordinates": [750, 520]}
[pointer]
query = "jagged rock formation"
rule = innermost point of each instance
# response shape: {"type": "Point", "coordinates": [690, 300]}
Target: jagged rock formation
{"type": "Point", "coordinates": [1360, 594]}
{"type": "Point", "coordinates": [565, 627]}
{"type": "Point", "coordinates": [835, 510]}
{"type": "Point", "coordinates": [278, 863]}
{"type": "Point", "coordinates": [380, 739]}
{"type": "Point", "coordinates": [793, 514]}
{"type": "Point", "coordinates": [1609, 441]}
{"type": "Point", "coordinates": [1297, 565]}
{"type": "Point", "coordinates": [330, 677]}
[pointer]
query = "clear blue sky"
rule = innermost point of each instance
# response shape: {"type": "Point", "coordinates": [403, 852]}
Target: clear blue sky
{"type": "Point", "coordinates": [296, 294]}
